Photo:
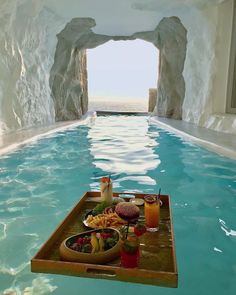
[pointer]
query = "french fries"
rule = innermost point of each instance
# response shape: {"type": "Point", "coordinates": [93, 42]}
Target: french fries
{"type": "Point", "coordinates": [105, 220]}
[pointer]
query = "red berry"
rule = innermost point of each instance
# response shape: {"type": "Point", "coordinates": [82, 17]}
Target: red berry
{"type": "Point", "coordinates": [106, 235]}
{"type": "Point", "coordinates": [139, 229]}
{"type": "Point", "coordinates": [80, 241]}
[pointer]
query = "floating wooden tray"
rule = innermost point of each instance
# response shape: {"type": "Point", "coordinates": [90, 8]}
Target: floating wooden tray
{"type": "Point", "coordinates": [157, 261]}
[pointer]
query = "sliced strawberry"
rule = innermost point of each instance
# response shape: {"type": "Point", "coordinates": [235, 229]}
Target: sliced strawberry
{"type": "Point", "coordinates": [139, 229]}
{"type": "Point", "coordinates": [80, 241]}
{"type": "Point", "coordinates": [106, 235]}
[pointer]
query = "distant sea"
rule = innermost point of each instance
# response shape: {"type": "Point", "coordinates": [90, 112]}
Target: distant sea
{"type": "Point", "coordinates": [119, 104]}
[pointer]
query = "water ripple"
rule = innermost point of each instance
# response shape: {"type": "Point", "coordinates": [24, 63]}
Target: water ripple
{"type": "Point", "coordinates": [226, 229]}
{"type": "Point", "coordinates": [133, 154]}
{"type": "Point", "coordinates": [3, 229]}
{"type": "Point", "coordinates": [39, 286]}
{"type": "Point", "coordinates": [13, 271]}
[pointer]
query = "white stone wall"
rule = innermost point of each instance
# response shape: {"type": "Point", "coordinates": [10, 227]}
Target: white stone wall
{"type": "Point", "coordinates": [206, 69]}
{"type": "Point", "coordinates": [28, 42]}
{"type": "Point", "coordinates": [218, 119]}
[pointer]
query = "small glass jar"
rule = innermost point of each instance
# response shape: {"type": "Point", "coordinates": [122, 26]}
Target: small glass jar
{"type": "Point", "coordinates": [130, 252]}
{"type": "Point", "coordinates": [152, 212]}
{"type": "Point", "coordinates": [106, 189]}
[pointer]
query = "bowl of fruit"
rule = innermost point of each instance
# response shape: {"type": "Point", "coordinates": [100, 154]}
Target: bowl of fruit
{"type": "Point", "coordinates": [96, 246]}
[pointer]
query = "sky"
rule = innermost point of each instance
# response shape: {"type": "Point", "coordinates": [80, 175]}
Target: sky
{"type": "Point", "coordinates": [122, 69]}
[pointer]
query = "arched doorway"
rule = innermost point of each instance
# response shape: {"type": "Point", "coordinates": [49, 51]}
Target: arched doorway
{"type": "Point", "coordinates": [68, 76]}
{"type": "Point", "coordinates": [120, 74]}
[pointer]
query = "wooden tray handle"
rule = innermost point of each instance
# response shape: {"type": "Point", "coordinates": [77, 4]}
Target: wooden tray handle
{"type": "Point", "coordinates": [101, 272]}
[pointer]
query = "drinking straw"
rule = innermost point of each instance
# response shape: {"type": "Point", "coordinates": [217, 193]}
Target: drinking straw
{"type": "Point", "coordinates": [109, 179]}
{"type": "Point", "coordinates": [127, 230]}
{"type": "Point", "coordinates": [159, 194]}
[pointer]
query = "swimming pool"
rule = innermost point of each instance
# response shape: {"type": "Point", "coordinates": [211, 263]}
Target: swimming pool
{"type": "Point", "coordinates": [41, 182]}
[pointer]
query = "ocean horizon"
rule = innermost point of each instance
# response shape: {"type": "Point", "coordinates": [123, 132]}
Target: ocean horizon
{"type": "Point", "coordinates": [118, 104]}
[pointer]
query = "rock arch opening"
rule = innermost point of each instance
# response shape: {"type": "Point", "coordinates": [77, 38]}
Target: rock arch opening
{"type": "Point", "coordinates": [68, 76]}
{"type": "Point", "coordinates": [120, 74]}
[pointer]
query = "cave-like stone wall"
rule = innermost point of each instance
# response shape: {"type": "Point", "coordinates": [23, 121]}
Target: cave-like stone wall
{"type": "Point", "coordinates": [69, 90]}
{"type": "Point", "coordinates": [28, 40]}
{"type": "Point", "coordinates": [68, 77]}
{"type": "Point", "coordinates": [171, 84]}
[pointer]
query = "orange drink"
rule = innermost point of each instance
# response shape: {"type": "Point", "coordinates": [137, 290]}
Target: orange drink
{"type": "Point", "coordinates": [152, 213]}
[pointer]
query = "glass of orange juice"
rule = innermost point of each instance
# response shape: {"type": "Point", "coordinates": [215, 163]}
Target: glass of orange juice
{"type": "Point", "coordinates": [152, 212]}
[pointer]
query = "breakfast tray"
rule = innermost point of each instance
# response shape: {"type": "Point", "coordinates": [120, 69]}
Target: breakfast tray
{"type": "Point", "coordinates": [157, 262]}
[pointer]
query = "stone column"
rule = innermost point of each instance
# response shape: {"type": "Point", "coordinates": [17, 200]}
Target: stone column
{"type": "Point", "coordinates": [152, 99]}
{"type": "Point", "coordinates": [172, 42]}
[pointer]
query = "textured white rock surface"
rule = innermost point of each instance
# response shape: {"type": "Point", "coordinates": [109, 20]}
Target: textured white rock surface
{"type": "Point", "coordinates": [68, 81]}
{"type": "Point", "coordinates": [152, 101]}
{"type": "Point", "coordinates": [171, 85]}
{"type": "Point", "coordinates": [28, 42]}
{"type": "Point", "coordinates": [222, 122]}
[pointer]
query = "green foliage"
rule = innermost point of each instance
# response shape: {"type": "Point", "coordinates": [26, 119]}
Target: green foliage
{"type": "Point", "coordinates": [99, 208]}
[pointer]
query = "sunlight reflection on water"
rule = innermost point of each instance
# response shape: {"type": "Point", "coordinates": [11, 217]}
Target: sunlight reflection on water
{"type": "Point", "coordinates": [132, 154]}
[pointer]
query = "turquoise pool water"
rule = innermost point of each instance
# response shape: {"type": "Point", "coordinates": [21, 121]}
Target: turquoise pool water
{"type": "Point", "coordinates": [41, 182]}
